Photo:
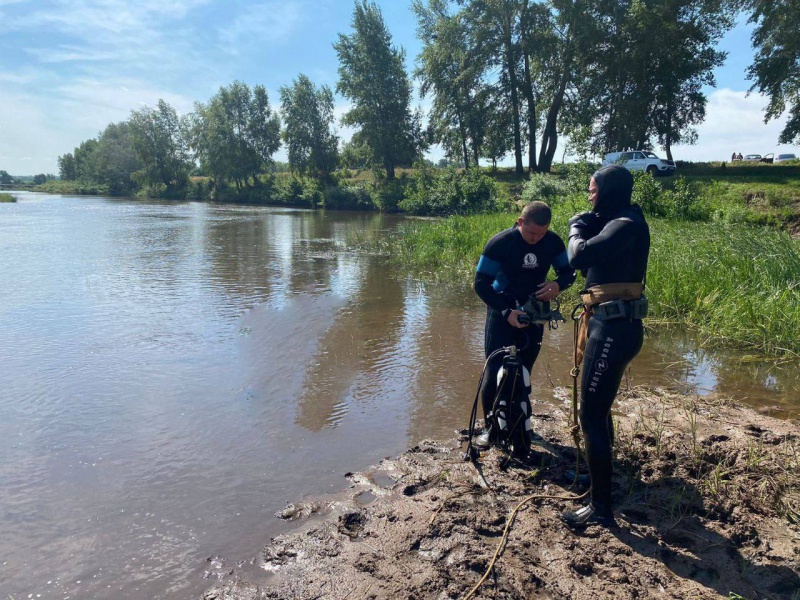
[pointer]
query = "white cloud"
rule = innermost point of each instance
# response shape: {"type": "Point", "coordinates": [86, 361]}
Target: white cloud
{"type": "Point", "coordinates": [734, 122]}
{"type": "Point", "coordinates": [28, 134]}
{"type": "Point", "coordinates": [108, 36]}
{"type": "Point", "coordinates": [265, 23]}
{"type": "Point", "coordinates": [66, 53]}
{"type": "Point", "coordinates": [37, 128]}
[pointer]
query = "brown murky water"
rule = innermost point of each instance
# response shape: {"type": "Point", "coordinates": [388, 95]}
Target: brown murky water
{"type": "Point", "coordinates": [171, 375]}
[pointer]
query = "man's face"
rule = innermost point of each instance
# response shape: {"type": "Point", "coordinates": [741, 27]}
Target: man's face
{"type": "Point", "coordinates": [531, 232]}
{"type": "Point", "coordinates": [593, 192]}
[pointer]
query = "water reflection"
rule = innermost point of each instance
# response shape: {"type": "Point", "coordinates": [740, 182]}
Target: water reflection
{"type": "Point", "coordinates": [760, 382]}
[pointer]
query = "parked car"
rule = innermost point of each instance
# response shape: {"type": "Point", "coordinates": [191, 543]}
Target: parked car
{"type": "Point", "coordinates": [641, 160]}
{"type": "Point", "coordinates": [785, 157]}
{"type": "Point", "coordinates": [752, 157]}
{"type": "Point", "coordinates": [768, 158]}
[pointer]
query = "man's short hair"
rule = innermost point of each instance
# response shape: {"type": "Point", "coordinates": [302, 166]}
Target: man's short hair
{"type": "Point", "coordinates": [537, 212]}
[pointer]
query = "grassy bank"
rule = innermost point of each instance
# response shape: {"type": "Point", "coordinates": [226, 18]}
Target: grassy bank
{"type": "Point", "coordinates": [744, 192]}
{"type": "Point", "coordinates": [76, 188]}
{"type": "Point", "coordinates": [733, 283]}
{"type": "Point", "coordinates": [7, 198]}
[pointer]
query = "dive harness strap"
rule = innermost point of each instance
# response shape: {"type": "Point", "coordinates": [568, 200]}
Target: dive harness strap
{"type": "Point", "coordinates": [605, 302]}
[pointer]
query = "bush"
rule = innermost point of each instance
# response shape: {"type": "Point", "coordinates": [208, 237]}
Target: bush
{"type": "Point", "coordinates": [449, 192]}
{"type": "Point", "coordinates": [60, 186]}
{"type": "Point", "coordinates": [683, 202]}
{"type": "Point", "coordinates": [545, 187]}
{"type": "Point", "coordinates": [577, 176]}
{"type": "Point", "coordinates": [199, 189]}
{"type": "Point", "coordinates": [294, 191]}
{"type": "Point", "coordinates": [348, 197]}
{"type": "Point", "coordinates": [389, 194]}
{"type": "Point", "coordinates": [646, 192]}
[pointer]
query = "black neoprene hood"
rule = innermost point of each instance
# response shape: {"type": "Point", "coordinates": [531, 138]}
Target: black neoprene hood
{"type": "Point", "coordinates": [615, 187]}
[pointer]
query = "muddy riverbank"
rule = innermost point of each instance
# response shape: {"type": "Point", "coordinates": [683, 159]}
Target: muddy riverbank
{"type": "Point", "coordinates": [707, 496]}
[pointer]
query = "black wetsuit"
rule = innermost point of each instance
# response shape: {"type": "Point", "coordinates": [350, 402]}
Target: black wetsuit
{"type": "Point", "coordinates": [610, 245]}
{"type": "Point", "coordinates": [509, 271]}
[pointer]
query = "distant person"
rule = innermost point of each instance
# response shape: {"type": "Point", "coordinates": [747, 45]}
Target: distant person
{"type": "Point", "coordinates": [733, 156]}
{"type": "Point", "coordinates": [739, 156]}
{"type": "Point", "coordinates": [610, 245]}
{"type": "Point", "coordinates": [513, 266]}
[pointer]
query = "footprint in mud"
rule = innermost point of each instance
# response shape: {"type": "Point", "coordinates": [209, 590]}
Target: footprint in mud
{"type": "Point", "coordinates": [301, 510]}
{"type": "Point", "coordinates": [352, 524]}
{"type": "Point", "coordinates": [419, 487]}
{"type": "Point", "coordinates": [754, 430]}
{"type": "Point", "coordinates": [278, 556]}
{"type": "Point", "coordinates": [582, 566]}
{"type": "Point", "coordinates": [714, 439]}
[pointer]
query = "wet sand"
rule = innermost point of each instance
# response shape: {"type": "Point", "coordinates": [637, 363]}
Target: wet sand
{"type": "Point", "coordinates": [707, 500]}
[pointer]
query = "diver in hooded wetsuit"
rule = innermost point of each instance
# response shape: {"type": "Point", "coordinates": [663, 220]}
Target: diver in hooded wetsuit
{"type": "Point", "coordinates": [610, 245]}
{"type": "Point", "coordinates": [514, 264]}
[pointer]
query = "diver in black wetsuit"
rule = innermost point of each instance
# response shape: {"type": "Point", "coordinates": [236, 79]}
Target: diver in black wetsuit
{"type": "Point", "coordinates": [514, 265]}
{"type": "Point", "coordinates": [610, 245]}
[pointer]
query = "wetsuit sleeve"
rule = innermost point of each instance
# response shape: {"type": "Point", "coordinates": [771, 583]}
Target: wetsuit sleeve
{"type": "Point", "coordinates": [485, 276]}
{"type": "Point", "coordinates": [565, 274]}
{"type": "Point", "coordinates": [615, 238]}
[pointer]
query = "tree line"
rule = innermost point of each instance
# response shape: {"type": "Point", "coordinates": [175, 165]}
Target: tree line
{"type": "Point", "coordinates": [505, 77]}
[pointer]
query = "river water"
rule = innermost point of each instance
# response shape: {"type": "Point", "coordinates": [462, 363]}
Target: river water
{"type": "Point", "coordinates": [172, 374]}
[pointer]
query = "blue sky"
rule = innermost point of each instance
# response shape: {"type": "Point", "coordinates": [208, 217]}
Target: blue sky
{"type": "Point", "coordinates": [68, 68]}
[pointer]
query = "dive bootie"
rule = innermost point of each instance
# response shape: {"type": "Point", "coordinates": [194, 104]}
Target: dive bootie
{"type": "Point", "coordinates": [588, 515]}
{"type": "Point", "coordinates": [484, 440]}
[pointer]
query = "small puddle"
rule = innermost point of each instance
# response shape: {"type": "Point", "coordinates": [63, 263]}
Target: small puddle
{"type": "Point", "coordinates": [365, 498]}
{"type": "Point", "coordinates": [383, 480]}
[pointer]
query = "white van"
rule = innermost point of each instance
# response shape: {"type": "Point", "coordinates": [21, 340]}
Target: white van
{"type": "Point", "coordinates": [641, 160]}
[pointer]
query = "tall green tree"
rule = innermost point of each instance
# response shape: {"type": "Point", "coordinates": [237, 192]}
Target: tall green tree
{"type": "Point", "coordinates": [160, 140]}
{"type": "Point", "coordinates": [557, 38]}
{"type": "Point", "coordinates": [308, 120]}
{"type": "Point", "coordinates": [66, 167]}
{"type": "Point", "coordinates": [235, 134]}
{"type": "Point", "coordinates": [496, 45]}
{"type": "Point", "coordinates": [115, 158]}
{"type": "Point", "coordinates": [372, 76]}
{"type": "Point", "coordinates": [776, 65]}
{"type": "Point", "coordinates": [447, 70]}
{"type": "Point", "coordinates": [85, 160]}
{"type": "Point", "coordinates": [355, 154]}
{"type": "Point", "coordinates": [650, 69]}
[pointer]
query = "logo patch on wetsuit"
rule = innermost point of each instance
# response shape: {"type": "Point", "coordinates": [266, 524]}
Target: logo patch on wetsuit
{"type": "Point", "coordinates": [530, 261]}
{"type": "Point", "coordinates": [600, 365]}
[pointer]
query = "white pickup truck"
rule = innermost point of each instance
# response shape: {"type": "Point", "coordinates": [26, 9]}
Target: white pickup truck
{"type": "Point", "coordinates": [641, 160]}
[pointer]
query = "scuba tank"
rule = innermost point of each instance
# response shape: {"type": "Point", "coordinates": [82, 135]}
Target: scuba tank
{"type": "Point", "coordinates": [511, 413]}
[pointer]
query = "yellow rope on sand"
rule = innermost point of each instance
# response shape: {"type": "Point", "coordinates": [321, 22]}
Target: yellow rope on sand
{"type": "Point", "coordinates": [507, 529]}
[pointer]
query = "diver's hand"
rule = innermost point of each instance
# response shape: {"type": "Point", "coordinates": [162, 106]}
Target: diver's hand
{"type": "Point", "coordinates": [548, 290]}
{"type": "Point", "coordinates": [584, 219]}
{"type": "Point", "coordinates": [513, 318]}
{"type": "Point", "coordinates": [585, 224]}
